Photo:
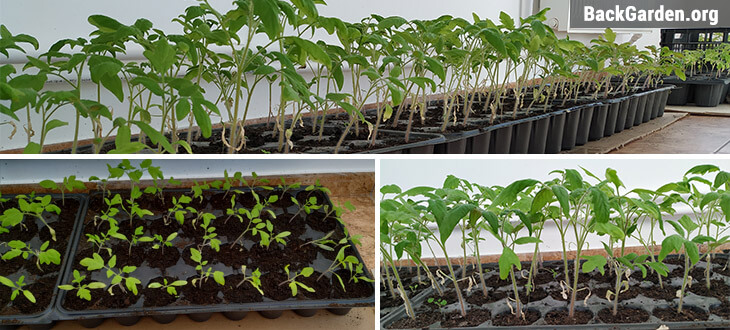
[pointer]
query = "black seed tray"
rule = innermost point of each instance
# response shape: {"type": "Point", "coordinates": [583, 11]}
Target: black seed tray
{"type": "Point", "coordinates": [594, 303]}
{"type": "Point", "coordinates": [47, 315]}
{"type": "Point", "coordinates": [234, 311]}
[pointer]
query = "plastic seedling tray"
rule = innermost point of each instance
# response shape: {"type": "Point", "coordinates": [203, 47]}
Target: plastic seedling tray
{"type": "Point", "coordinates": [551, 301]}
{"type": "Point", "coordinates": [268, 307]}
{"type": "Point", "coordinates": [45, 317]}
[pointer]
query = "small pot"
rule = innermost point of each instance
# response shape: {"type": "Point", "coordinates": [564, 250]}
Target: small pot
{"type": "Point", "coordinates": [640, 109]}
{"type": "Point", "coordinates": [572, 123]}
{"type": "Point", "coordinates": [501, 141]}
{"type": "Point", "coordinates": [649, 106]}
{"type": "Point", "coordinates": [521, 138]}
{"type": "Point", "coordinates": [598, 122]}
{"type": "Point", "coordinates": [539, 136]}
{"type": "Point", "coordinates": [623, 113]}
{"type": "Point", "coordinates": [631, 115]}
{"type": "Point", "coordinates": [584, 128]}
{"type": "Point", "coordinates": [611, 118]}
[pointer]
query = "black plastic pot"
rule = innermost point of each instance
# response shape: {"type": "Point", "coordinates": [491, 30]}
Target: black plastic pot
{"type": "Point", "coordinates": [623, 113]}
{"type": "Point", "coordinates": [680, 95]}
{"type": "Point", "coordinates": [709, 93]}
{"type": "Point", "coordinates": [268, 308]}
{"type": "Point", "coordinates": [631, 114]}
{"type": "Point", "coordinates": [556, 132]}
{"type": "Point", "coordinates": [663, 101]}
{"type": "Point", "coordinates": [46, 318]}
{"type": "Point", "coordinates": [521, 137]}
{"type": "Point", "coordinates": [456, 143]}
{"type": "Point", "coordinates": [612, 117]}
{"type": "Point", "coordinates": [584, 128]}
{"type": "Point", "coordinates": [598, 122]}
{"type": "Point", "coordinates": [572, 124]}
{"type": "Point", "coordinates": [651, 99]}
{"type": "Point", "coordinates": [640, 108]}
{"type": "Point", "coordinates": [539, 138]}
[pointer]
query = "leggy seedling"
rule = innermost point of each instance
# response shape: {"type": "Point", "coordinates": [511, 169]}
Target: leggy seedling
{"type": "Point", "coordinates": [162, 242]}
{"type": "Point", "coordinates": [69, 184]}
{"type": "Point", "coordinates": [169, 287]}
{"type": "Point", "coordinates": [83, 291]}
{"type": "Point", "coordinates": [137, 237]}
{"type": "Point", "coordinates": [305, 272]}
{"type": "Point", "coordinates": [35, 208]}
{"type": "Point", "coordinates": [117, 276]}
{"type": "Point", "coordinates": [341, 261]}
{"type": "Point", "coordinates": [254, 279]}
{"type": "Point", "coordinates": [196, 256]}
{"type": "Point", "coordinates": [44, 255]}
{"type": "Point", "coordinates": [17, 288]}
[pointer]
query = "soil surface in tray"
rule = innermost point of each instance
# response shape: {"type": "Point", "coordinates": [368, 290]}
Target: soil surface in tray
{"type": "Point", "coordinates": [644, 301]}
{"type": "Point", "coordinates": [32, 231]}
{"type": "Point", "coordinates": [175, 262]}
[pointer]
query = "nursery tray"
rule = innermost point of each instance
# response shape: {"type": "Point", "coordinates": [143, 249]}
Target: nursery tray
{"type": "Point", "coordinates": [595, 302]}
{"type": "Point", "coordinates": [268, 307]}
{"type": "Point", "coordinates": [46, 315]}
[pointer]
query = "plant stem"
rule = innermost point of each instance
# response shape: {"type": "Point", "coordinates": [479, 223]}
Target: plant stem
{"type": "Point", "coordinates": [684, 283]}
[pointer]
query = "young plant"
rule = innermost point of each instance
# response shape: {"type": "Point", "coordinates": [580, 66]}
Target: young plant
{"type": "Point", "coordinates": [169, 287]}
{"type": "Point", "coordinates": [440, 303]}
{"type": "Point", "coordinates": [309, 205]}
{"type": "Point", "coordinates": [209, 238]}
{"type": "Point", "coordinates": [343, 262]}
{"type": "Point", "coordinates": [83, 291]}
{"type": "Point", "coordinates": [205, 274]}
{"type": "Point", "coordinates": [69, 184]}
{"type": "Point", "coordinates": [17, 288]}
{"type": "Point", "coordinates": [179, 210]}
{"type": "Point", "coordinates": [44, 255]}
{"type": "Point", "coordinates": [116, 275]}
{"type": "Point", "coordinates": [35, 208]}
{"type": "Point", "coordinates": [293, 284]}
{"type": "Point", "coordinates": [162, 242]}
{"type": "Point", "coordinates": [137, 237]}
{"type": "Point", "coordinates": [254, 279]}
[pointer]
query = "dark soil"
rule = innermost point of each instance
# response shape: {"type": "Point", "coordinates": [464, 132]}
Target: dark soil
{"type": "Point", "coordinates": [624, 315]}
{"type": "Point", "coordinates": [722, 310]}
{"type": "Point", "coordinates": [160, 297]}
{"type": "Point", "coordinates": [201, 292]}
{"type": "Point", "coordinates": [689, 313]}
{"type": "Point", "coordinates": [624, 295]}
{"type": "Point", "coordinates": [478, 298]}
{"type": "Point", "coordinates": [560, 317]}
{"type": "Point", "coordinates": [507, 319]}
{"type": "Point", "coordinates": [473, 318]}
{"type": "Point", "coordinates": [423, 320]}
{"type": "Point", "coordinates": [718, 289]}
{"type": "Point", "coordinates": [556, 294]}
{"type": "Point", "coordinates": [245, 293]}
{"type": "Point", "coordinates": [656, 292]}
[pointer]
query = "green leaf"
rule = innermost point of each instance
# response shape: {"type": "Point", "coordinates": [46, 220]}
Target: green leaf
{"type": "Point", "coordinates": [725, 205]}
{"type": "Point", "coordinates": [94, 263]}
{"type": "Point", "coordinates": [542, 198]}
{"type": "Point", "coordinates": [669, 244]}
{"type": "Point", "coordinates": [563, 197]}
{"type": "Point", "coordinates": [659, 267]}
{"type": "Point", "coordinates": [161, 56]}
{"type": "Point", "coordinates": [32, 148]}
{"type": "Point", "coordinates": [202, 118]}
{"type": "Point", "coordinates": [593, 262]}
{"type": "Point", "coordinates": [417, 191]}
{"type": "Point", "coordinates": [452, 218]}
{"type": "Point", "coordinates": [509, 195]}
{"type": "Point", "coordinates": [708, 198]}
{"type": "Point", "coordinates": [506, 261]}
{"type": "Point", "coordinates": [613, 177]}
{"type": "Point", "coordinates": [29, 296]}
{"type": "Point", "coordinates": [692, 251]}
{"type": "Point", "coordinates": [608, 228]}
{"type": "Point", "coordinates": [6, 282]}
{"type": "Point", "coordinates": [55, 123]}
{"type": "Point", "coordinates": [293, 287]}
{"type": "Point", "coordinates": [527, 240]}
{"type": "Point", "coordinates": [154, 135]}
{"type": "Point", "coordinates": [307, 271]}
{"type": "Point", "coordinates": [600, 204]}
{"type": "Point", "coordinates": [390, 189]}
{"type": "Point", "coordinates": [268, 12]}
{"type": "Point", "coordinates": [688, 224]}
{"type": "Point", "coordinates": [702, 169]}
{"type": "Point", "coordinates": [219, 278]}
{"type": "Point", "coordinates": [105, 24]}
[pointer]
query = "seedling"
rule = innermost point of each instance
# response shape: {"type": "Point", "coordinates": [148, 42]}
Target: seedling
{"type": "Point", "coordinates": [83, 291]}
{"type": "Point", "coordinates": [162, 242]}
{"type": "Point", "coordinates": [254, 279]}
{"type": "Point", "coordinates": [100, 240]}
{"type": "Point", "coordinates": [196, 256]}
{"type": "Point", "coordinates": [117, 275]}
{"type": "Point", "coordinates": [440, 303]}
{"type": "Point", "coordinates": [341, 261]}
{"type": "Point", "coordinates": [110, 213]}
{"type": "Point", "coordinates": [209, 239]}
{"type": "Point", "coordinates": [293, 284]}
{"type": "Point", "coordinates": [169, 287]}
{"type": "Point", "coordinates": [44, 255]}
{"type": "Point", "coordinates": [137, 237]}
{"type": "Point", "coordinates": [324, 242]}
{"type": "Point", "coordinates": [179, 210]}
{"type": "Point", "coordinates": [309, 206]}
{"type": "Point", "coordinates": [69, 184]}
{"type": "Point", "coordinates": [13, 216]}
{"type": "Point", "coordinates": [256, 225]}
{"type": "Point", "coordinates": [17, 288]}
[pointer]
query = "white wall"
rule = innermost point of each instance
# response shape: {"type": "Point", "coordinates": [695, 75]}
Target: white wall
{"type": "Point", "coordinates": [635, 173]}
{"type": "Point", "coordinates": [20, 171]}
